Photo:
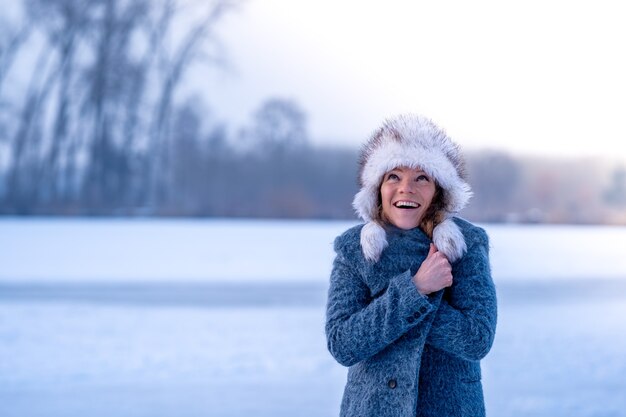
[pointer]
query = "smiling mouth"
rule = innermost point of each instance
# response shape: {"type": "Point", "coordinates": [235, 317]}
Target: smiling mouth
{"type": "Point", "coordinates": [407, 205]}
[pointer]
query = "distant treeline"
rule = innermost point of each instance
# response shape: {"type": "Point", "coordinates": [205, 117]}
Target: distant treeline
{"type": "Point", "coordinates": [545, 190]}
{"type": "Point", "coordinates": [96, 124]}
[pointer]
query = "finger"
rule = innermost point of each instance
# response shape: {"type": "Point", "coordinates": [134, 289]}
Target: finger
{"type": "Point", "coordinates": [442, 260]}
{"type": "Point", "coordinates": [446, 281]}
{"type": "Point", "coordinates": [432, 250]}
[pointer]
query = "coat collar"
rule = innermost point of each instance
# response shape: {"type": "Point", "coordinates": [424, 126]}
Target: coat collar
{"type": "Point", "coordinates": [406, 249]}
{"type": "Point", "coordinates": [415, 234]}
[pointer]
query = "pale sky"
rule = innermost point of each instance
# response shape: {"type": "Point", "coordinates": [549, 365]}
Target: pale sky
{"type": "Point", "coordinates": [536, 77]}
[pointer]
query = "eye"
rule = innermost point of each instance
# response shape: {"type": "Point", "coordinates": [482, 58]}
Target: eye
{"type": "Point", "coordinates": [422, 178]}
{"type": "Point", "coordinates": [392, 177]}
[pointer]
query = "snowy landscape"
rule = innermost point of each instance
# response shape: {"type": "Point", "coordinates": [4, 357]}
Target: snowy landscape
{"type": "Point", "coordinates": [226, 318]}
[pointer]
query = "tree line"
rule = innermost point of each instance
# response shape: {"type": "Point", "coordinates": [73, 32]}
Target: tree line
{"type": "Point", "coordinates": [100, 127]}
{"type": "Point", "coordinates": [89, 126]}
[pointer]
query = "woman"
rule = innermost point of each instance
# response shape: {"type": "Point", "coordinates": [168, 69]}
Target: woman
{"type": "Point", "coordinates": [411, 304]}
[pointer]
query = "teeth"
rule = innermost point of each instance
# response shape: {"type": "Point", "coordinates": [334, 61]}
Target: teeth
{"type": "Point", "coordinates": [406, 204]}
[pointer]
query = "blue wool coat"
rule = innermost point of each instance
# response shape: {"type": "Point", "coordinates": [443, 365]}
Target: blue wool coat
{"type": "Point", "coordinates": [410, 355]}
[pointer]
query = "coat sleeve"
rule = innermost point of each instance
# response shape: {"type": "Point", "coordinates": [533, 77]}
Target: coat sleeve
{"type": "Point", "coordinates": [357, 326]}
{"type": "Point", "coordinates": [465, 322]}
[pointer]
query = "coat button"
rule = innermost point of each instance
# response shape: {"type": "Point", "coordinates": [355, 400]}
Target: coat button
{"type": "Point", "coordinates": [392, 383]}
{"type": "Point", "coordinates": [410, 319]}
{"type": "Point", "coordinates": [423, 309]}
{"type": "Point", "coordinates": [416, 314]}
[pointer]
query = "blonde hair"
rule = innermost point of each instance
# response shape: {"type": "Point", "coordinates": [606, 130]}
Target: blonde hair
{"type": "Point", "coordinates": [435, 213]}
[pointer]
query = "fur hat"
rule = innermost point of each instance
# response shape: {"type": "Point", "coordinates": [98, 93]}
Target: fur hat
{"type": "Point", "coordinates": [412, 141]}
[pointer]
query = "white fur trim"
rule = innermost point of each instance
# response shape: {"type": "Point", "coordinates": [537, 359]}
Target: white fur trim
{"type": "Point", "coordinates": [433, 161]}
{"type": "Point", "coordinates": [373, 241]}
{"type": "Point", "coordinates": [365, 203]}
{"type": "Point", "coordinates": [449, 240]}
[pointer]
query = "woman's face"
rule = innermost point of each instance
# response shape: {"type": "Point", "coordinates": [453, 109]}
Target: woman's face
{"type": "Point", "coordinates": [406, 195]}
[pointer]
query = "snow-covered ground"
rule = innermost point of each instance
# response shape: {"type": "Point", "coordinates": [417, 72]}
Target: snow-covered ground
{"type": "Point", "coordinates": [246, 250]}
{"type": "Point", "coordinates": [225, 318]}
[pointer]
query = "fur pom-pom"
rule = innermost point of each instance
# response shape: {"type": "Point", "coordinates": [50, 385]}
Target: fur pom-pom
{"type": "Point", "coordinates": [365, 202]}
{"type": "Point", "coordinates": [449, 240]}
{"type": "Point", "coordinates": [373, 241]}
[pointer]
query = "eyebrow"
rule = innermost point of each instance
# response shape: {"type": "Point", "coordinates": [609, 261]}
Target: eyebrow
{"type": "Point", "coordinates": [404, 170]}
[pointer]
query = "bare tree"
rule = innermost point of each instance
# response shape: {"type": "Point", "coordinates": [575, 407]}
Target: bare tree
{"type": "Point", "coordinates": [64, 23]}
{"type": "Point", "coordinates": [109, 168]}
{"type": "Point", "coordinates": [26, 143]}
{"type": "Point", "coordinates": [278, 125]}
{"type": "Point", "coordinates": [11, 40]}
{"type": "Point", "coordinates": [171, 70]}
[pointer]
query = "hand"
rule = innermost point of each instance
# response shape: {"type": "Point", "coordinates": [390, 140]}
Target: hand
{"type": "Point", "coordinates": [434, 274]}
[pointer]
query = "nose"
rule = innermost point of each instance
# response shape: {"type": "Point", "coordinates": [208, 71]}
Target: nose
{"type": "Point", "coordinates": [406, 186]}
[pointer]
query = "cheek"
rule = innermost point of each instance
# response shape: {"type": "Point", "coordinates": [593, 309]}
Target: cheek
{"type": "Point", "coordinates": [429, 193]}
{"type": "Point", "coordinates": [385, 202]}
{"type": "Point", "coordinates": [385, 197]}
{"type": "Point", "coordinates": [385, 193]}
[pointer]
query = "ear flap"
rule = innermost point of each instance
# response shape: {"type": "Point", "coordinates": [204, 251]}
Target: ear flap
{"type": "Point", "coordinates": [373, 240]}
{"type": "Point", "coordinates": [449, 240]}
